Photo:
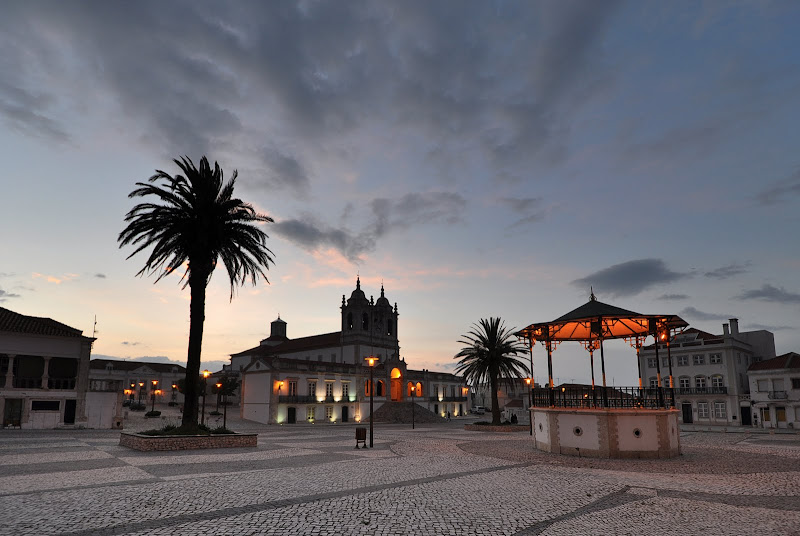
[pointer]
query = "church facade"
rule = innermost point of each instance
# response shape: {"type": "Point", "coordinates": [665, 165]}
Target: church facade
{"type": "Point", "coordinates": [326, 377]}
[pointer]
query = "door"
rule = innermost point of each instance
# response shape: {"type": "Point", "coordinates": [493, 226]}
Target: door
{"type": "Point", "coordinates": [344, 413]}
{"type": "Point", "coordinates": [747, 416]}
{"type": "Point", "coordinates": [687, 412]}
{"type": "Point", "coordinates": [12, 415]}
{"type": "Point", "coordinates": [69, 411]}
{"type": "Point", "coordinates": [292, 415]}
{"type": "Point", "coordinates": [780, 416]}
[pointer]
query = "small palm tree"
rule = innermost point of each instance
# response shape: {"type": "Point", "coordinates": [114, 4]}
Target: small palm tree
{"type": "Point", "coordinates": [490, 356]}
{"type": "Point", "coordinates": [196, 221]}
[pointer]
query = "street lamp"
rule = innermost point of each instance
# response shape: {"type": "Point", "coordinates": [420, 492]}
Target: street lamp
{"type": "Point", "coordinates": [225, 410]}
{"type": "Point", "coordinates": [206, 374]}
{"type": "Point", "coordinates": [219, 392]}
{"type": "Point", "coordinates": [371, 361]}
{"type": "Point", "coordinates": [132, 391]}
{"type": "Point", "coordinates": [413, 392]}
{"type": "Point", "coordinates": [153, 396]}
{"type": "Point", "coordinates": [174, 392]}
{"type": "Point", "coordinates": [530, 403]}
{"type": "Point", "coordinates": [141, 388]}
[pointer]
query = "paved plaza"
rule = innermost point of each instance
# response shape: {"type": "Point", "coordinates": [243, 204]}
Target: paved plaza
{"type": "Point", "coordinates": [437, 479]}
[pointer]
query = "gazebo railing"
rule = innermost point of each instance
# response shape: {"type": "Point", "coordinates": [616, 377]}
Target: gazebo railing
{"type": "Point", "coordinates": [604, 397]}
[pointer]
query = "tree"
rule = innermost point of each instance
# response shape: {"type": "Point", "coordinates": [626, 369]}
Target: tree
{"type": "Point", "coordinates": [490, 355]}
{"type": "Point", "coordinates": [196, 221]}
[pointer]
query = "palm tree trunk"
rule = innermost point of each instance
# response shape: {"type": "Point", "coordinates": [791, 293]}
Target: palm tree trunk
{"type": "Point", "coordinates": [197, 316]}
{"type": "Point", "coordinates": [495, 401]}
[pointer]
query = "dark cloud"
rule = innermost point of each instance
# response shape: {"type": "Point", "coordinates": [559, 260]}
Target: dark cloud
{"type": "Point", "coordinates": [756, 327]}
{"type": "Point", "coordinates": [127, 343]}
{"type": "Point", "coordinates": [100, 276]}
{"type": "Point", "coordinates": [780, 191]}
{"type": "Point", "coordinates": [769, 293]}
{"type": "Point", "coordinates": [387, 215]}
{"type": "Point", "coordinates": [630, 278]}
{"type": "Point", "coordinates": [5, 296]}
{"type": "Point", "coordinates": [672, 297]}
{"type": "Point", "coordinates": [692, 313]}
{"type": "Point", "coordinates": [530, 208]}
{"type": "Point", "coordinates": [725, 272]}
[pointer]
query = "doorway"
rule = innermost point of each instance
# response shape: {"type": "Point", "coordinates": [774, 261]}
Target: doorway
{"type": "Point", "coordinates": [12, 415]}
{"type": "Point", "coordinates": [747, 416]}
{"type": "Point", "coordinates": [397, 386]}
{"type": "Point", "coordinates": [69, 411]}
{"type": "Point", "coordinates": [344, 414]}
{"type": "Point", "coordinates": [687, 412]}
{"type": "Point", "coordinates": [291, 415]}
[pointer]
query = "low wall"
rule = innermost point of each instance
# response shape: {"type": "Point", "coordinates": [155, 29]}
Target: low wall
{"type": "Point", "coordinates": [220, 441]}
{"type": "Point", "coordinates": [490, 428]}
{"type": "Point", "coordinates": [607, 433]}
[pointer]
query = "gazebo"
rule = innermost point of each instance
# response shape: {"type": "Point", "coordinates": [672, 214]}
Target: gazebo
{"type": "Point", "coordinates": [603, 421]}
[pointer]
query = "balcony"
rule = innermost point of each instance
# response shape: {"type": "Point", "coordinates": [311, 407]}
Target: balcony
{"type": "Point", "coordinates": [600, 397]}
{"type": "Point", "coordinates": [701, 391]}
{"type": "Point", "coordinates": [777, 395]}
{"type": "Point", "coordinates": [296, 399]}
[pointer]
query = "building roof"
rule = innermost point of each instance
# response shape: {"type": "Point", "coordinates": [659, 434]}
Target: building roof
{"type": "Point", "coordinates": [34, 325]}
{"type": "Point", "coordinates": [313, 342]}
{"type": "Point", "coordinates": [100, 364]}
{"type": "Point", "coordinates": [785, 361]}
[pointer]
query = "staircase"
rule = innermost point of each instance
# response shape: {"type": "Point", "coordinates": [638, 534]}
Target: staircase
{"type": "Point", "coordinates": [400, 412]}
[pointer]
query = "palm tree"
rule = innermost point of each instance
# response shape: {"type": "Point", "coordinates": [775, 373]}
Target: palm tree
{"type": "Point", "coordinates": [490, 355]}
{"type": "Point", "coordinates": [196, 221]}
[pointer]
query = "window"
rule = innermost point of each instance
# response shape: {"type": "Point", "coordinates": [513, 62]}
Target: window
{"type": "Point", "coordinates": [683, 382]}
{"type": "Point", "coordinates": [665, 361]}
{"type": "Point", "coordinates": [350, 321]}
{"type": "Point", "coordinates": [720, 410]}
{"type": "Point", "coordinates": [328, 413]}
{"type": "Point", "coordinates": [700, 382]}
{"type": "Point", "coordinates": [379, 388]}
{"type": "Point", "coordinates": [310, 413]}
{"type": "Point", "coordinates": [763, 386]}
{"type": "Point", "coordinates": [702, 410]}
{"type": "Point", "coordinates": [328, 389]}
{"type": "Point", "coordinates": [345, 391]}
{"type": "Point", "coordinates": [312, 388]}
{"type": "Point", "coordinates": [699, 359]}
{"type": "Point", "coordinates": [795, 383]}
{"type": "Point", "coordinates": [777, 385]}
{"type": "Point", "coordinates": [716, 381]}
{"type": "Point", "coordinates": [389, 327]}
{"type": "Point", "coordinates": [364, 322]}
{"type": "Point", "coordinates": [653, 382]}
{"type": "Point", "coordinates": [367, 388]}
{"type": "Point", "coordinates": [683, 361]}
{"type": "Point", "coordinates": [651, 362]}
{"type": "Point", "coordinates": [715, 359]}
{"type": "Point", "coordinates": [292, 388]}
{"type": "Point", "coordinates": [45, 405]}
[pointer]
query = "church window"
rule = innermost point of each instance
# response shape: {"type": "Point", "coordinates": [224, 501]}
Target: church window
{"type": "Point", "coordinates": [349, 320]}
{"type": "Point", "coordinates": [379, 388]}
{"type": "Point", "coordinates": [389, 328]}
{"type": "Point", "coordinates": [364, 321]}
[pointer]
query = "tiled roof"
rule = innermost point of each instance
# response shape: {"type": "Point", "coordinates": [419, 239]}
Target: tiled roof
{"type": "Point", "coordinates": [34, 325]}
{"type": "Point", "coordinates": [785, 361]}
{"type": "Point", "coordinates": [100, 364]}
{"type": "Point", "coordinates": [314, 342]}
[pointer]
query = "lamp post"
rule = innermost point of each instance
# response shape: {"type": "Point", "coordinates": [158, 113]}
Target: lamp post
{"type": "Point", "coordinates": [413, 393]}
{"type": "Point", "coordinates": [225, 410]}
{"type": "Point", "coordinates": [141, 389]}
{"type": "Point", "coordinates": [174, 392]}
{"type": "Point", "coordinates": [132, 391]}
{"type": "Point", "coordinates": [153, 395]}
{"type": "Point", "coordinates": [219, 393]}
{"type": "Point", "coordinates": [530, 403]}
{"type": "Point", "coordinates": [371, 361]}
{"type": "Point", "coordinates": [206, 374]}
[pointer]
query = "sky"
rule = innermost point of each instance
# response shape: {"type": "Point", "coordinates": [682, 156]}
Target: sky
{"type": "Point", "coordinates": [477, 158]}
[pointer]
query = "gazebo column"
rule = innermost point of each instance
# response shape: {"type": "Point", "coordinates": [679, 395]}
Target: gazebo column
{"type": "Point", "coordinates": [671, 383]}
{"type": "Point", "coordinates": [550, 373]}
{"type": "Point", "coordinates": [603, 368]}
{"type": "Point", "coordinates": [658, 373]}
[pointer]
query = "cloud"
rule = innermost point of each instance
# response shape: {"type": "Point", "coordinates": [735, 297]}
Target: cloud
{"type": "Point", "coordinates": [671, 297]}
{"type": "Point", "coordinates": [726, 272]}
{"type": "Point", "coordinates": [769, 293]}
{"type": "Point", "coordinates": [100, 276]}
{"type": "Point", "coordinates": [54, 279]}
{"type": "Point", "coordinates": [692, 313]}
{"type": "Point", "coordinates": [126, 343]}
{"type": "Point", "coordinates": [529, 207]}
{"type": "Point", "coordinates": [780, 191]}
{"type": "Point", "coordinates": [756, 327]}
{"type": "Point", "coordinates": [630, 278]}
{"type": "Point", "coordinates": [5, 296]}
{"type": "Point", "coordinates": [387, 215]}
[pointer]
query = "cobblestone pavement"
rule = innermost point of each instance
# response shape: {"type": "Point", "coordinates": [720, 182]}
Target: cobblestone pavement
{"type": "Point", "coordinates": [436, 479]}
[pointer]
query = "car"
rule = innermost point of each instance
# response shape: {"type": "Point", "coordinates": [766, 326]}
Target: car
{"type": "Point", "coordinates": [479, 410]}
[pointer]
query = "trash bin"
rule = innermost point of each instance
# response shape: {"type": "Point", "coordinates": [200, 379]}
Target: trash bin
{"type": "Point", "coordinates": [361, 436]}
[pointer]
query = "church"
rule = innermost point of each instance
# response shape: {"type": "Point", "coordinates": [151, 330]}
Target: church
{"type": "Point", "coordinates": [326, 377]}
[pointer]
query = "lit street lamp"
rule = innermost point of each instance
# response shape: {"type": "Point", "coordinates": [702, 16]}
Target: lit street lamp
{"type": "Point", "coordinates": [206, 374]}
{"type": "Point", "coordinates": [153, 395]}
{"type": "Point", "coordinates": [371, 360]}
{"type": "Point", "coordinates": [141, 391]}
{"type": "Point", "coordinates": [174, 392]}
{"type": "Point", "coordinates": [413, 392]}
{"type": "Point", "coordinates": [530, 403]}
{"type": "Point", "coordinates": [219, 392]}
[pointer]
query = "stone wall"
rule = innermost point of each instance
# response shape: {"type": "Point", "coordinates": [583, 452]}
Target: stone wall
{"type": "Point", "coordinates": [490, 428]}
{"type": "Point", "coordinates": [221, 441]}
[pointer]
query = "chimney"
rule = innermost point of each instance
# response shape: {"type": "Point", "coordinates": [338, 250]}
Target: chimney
{"type": "Point", "coordinates": [734, 326]}
{"type": "Point", "coordinates": [725, 329]}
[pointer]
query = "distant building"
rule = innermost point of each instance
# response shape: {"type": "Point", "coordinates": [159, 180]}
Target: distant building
{"type": "Point", "coordinates": [44, 373]}
{"type": "Point", "coordinates": [137, 377]}
{"type": "Point", "coordinates": [325, 378]}
{"type": "Point", "coordinates": [775, 391]}
{"type": "Point", "coordinates": [513, 397]}
{"type": "Point", "coordinates": [710, 372]}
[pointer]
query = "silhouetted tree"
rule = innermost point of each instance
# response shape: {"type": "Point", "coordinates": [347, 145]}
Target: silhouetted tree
{"type": "Point", "coordinates": [490, 354]}
{"type": "Point", "coordinates": [196, 221]}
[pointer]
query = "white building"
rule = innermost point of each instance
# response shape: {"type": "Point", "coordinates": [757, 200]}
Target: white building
{"type": "Point", "coordinates": [135, 379]}
{"type": "Point", "coordinates": [44, 372]}
{"type": "Point", "coordinates": [709, 372]}
{"type": "Point", "coordinates": [325, 378]}
{"type": "Point", "coordinates": [775, 391]}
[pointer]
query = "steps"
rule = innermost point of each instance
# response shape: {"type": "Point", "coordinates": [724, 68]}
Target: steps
{"type": "Point", "coordinates": [400, 412]}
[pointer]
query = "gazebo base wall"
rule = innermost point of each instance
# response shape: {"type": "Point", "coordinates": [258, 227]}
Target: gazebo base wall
{"type": "Point", "coordinates": [607, 433]}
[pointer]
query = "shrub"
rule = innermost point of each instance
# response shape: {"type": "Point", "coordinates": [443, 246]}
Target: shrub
{"type": "Point", "coordinates": [138, 407]}
{"type": "Point", "coordinates": [155, 413]}
{"type": "Point", "coordinates": [221, 430]}
{"type": "Point", "coordinates": [215, 413]}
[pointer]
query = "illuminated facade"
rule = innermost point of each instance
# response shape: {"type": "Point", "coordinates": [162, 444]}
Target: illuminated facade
{"type": "Point", "coordinates": [775, 391]}
{"type": "Point", "coordinates": [325, 378]}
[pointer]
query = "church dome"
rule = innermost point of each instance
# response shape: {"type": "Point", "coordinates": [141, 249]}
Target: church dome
{"type": "Point", "coordinates": [382, 301]}
{"type": "Point", "coordinates": [358, 295]}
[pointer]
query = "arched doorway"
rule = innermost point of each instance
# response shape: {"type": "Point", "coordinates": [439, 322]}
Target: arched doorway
{"type": "Point", "coordinates": [291, 417]}
{"type": "Point", "coordinates": [397, 385]}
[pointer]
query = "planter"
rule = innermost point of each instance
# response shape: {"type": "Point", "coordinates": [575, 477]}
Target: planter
{"type": "Point", "coordinates": [176, 442]}
{"type": "Point", "coordinates": [502, 428]}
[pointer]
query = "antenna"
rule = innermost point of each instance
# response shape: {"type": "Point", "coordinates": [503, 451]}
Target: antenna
{"type": "Point", "coordinates": [94, 331]}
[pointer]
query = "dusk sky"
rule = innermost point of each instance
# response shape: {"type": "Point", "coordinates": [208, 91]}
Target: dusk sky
{"type": "Point", "coordinates": [478, 158]}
